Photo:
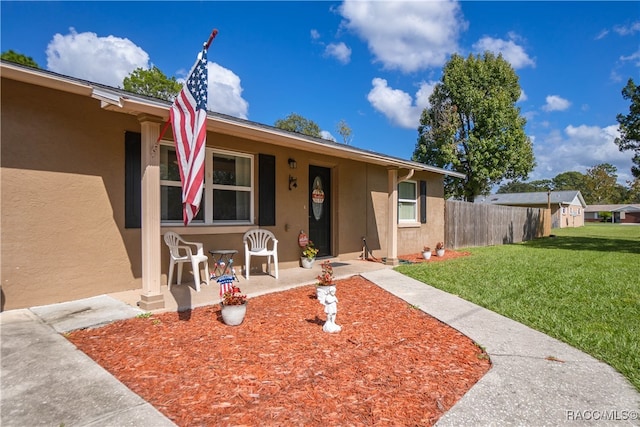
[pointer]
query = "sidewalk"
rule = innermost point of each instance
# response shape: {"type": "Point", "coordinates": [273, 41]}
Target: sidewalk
{"type": "Point", "coordinates": [523, 387]}
{"type": "Point", "coordinates": [46, 381]}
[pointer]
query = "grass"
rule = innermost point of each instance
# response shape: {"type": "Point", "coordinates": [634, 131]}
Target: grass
{"type": "Point", "coordinates": [581, 287]}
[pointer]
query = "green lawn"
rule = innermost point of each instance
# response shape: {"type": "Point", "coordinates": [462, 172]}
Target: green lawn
{"type": "Point", "coordinates": [582, 287]}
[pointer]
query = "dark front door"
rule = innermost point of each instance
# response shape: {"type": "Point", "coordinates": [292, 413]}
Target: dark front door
{"type": "Point", "coordinates": [320, 209]}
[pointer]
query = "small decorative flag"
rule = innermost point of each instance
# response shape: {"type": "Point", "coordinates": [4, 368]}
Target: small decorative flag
{"type": "Point", "coordinates": [226, 284]}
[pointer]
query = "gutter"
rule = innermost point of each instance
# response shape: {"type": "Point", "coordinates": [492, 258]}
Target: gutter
{"type": "Point", "coordinates": [117, 100]}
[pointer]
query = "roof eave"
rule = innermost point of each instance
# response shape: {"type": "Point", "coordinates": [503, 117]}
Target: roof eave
{"type": "Point", "coordinates": [113, 99]}
{"type": "Point", "coordinates": [245, 129]}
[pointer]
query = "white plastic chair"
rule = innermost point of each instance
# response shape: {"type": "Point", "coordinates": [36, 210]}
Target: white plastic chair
{"type": "Point", "coordinates": [181, 251]}
{"type": "Point", "coordinates": [256, 243]}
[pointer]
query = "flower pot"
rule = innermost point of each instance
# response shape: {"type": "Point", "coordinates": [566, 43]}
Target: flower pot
{"type": "Point", "coordinates": [426, 254]}
{"type": "Point", "coordinates": [233, 315]}
{"type": "Point", "coordinates": [307, 262]}
{"type": "Point", "coordinates": [440, 252]}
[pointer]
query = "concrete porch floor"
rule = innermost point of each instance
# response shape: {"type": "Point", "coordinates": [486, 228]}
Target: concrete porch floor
{"type": "Point", "coordinates": [184, 296]}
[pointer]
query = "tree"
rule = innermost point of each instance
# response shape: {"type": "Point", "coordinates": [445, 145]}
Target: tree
{"type": "Point", "coordinates": [634, 191]}
{"type": "Point", "coordinates": [473, 126]}
{"type": "Point", "coordinates": [296, 123]}
{"type": "Point", "coordinates": [569, 181]}
{"type": "Point", "coordinates": [601, 187]}
{"type": "Point", "coordinates": [630, 126]}
{"type": "Point", "coordinates": [19, 58]}
{"type": "Point", "coordinates": [517, 186]}
{"type": "Point", "coordinates": [345, 131]}
{"type": "Point", "coordinates": [152, 83]}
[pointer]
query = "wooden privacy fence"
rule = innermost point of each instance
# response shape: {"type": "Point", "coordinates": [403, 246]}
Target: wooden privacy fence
{"type": "Point", "coordinates": [473, 224]}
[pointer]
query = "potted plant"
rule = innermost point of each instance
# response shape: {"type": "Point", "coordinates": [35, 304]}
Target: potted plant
{"type": "Point", "coordinates": [308, 255]}
{"type": "Point", "coordinates": [234, 306]}
{"type": "Point", "coordinates": [325, 281]}
{"type": "Point", "coordinates": [440, 249]}
{"type": "Point", "coordinates": [426, 252]}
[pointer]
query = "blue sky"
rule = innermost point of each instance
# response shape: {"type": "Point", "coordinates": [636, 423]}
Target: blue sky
{"type": "Point", "coordinates": [372, 64]}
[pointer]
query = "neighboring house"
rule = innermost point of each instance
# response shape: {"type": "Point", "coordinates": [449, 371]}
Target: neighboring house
{"type": "Point", "coordinates": [567, 207]}
{"type": "Point", "coordinates": [625, 214]}
{"type": "Point", "coordinates": [87, 193]}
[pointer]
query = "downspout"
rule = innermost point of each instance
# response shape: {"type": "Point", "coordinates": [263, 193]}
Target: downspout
{"type": "Point", "coordinates": [407, 176]}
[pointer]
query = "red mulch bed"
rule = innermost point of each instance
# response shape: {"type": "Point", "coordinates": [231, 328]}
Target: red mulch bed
{"type": "Point", "coordinates": [391, 364]}
{"type": "Point", "coordinates": [448, 254]}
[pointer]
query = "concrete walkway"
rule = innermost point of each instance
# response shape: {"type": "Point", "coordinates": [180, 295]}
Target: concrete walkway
{"type": "Point", "coordinates": [523, 387]}
{"type": "Point", "coordinates": [46, 381]}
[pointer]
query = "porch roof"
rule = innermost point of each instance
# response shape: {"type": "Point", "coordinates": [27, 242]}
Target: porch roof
{"type": "Point", "coordinates": [114, 99]}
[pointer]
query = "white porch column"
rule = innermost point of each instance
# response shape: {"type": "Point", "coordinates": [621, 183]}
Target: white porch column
{"type": "Point", "coordinates": [151, 297]}
{"type": "Point", "coordinates": [392, 218]}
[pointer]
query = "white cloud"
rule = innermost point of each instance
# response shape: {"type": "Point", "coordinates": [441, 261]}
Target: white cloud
{"type": "Point", "coordinates": [602, 34]}
{"type": "Point", "coordinates": [510, 50]}
{"type": "Point", "coordinates": [634, 57]}
{"type": "Point", "coordinates": [626, 30]}
{"type": "Point", "coordinates": [397, 105]}
{"type": "Point", "coordinates": [555, 103]}
{"type": "Point", "coordinates": [225, 92]}
{"type": "Point", "coordinates": [408, 36]}
{"type": "Point", "coordinates": [315, 35]}
{"type": "Point", "coordinates": [523, 96]}
{"type": "Point", "coordinates": [325, 134]}
{"type": "Point", "coordinates": [579, 148]}
{"type": "Point", "coordinates": [340, 51]}
{"type": "Point", "coordinates": [107, 60]}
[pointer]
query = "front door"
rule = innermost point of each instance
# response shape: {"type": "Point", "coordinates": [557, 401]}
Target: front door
{"type": "Point", "coordinates": [320, 209]}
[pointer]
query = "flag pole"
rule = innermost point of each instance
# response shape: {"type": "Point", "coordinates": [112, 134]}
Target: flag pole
{"type": "Point", "coordinates": [213, 35]}
{"type": "Point", "coordinates": [206, 45]}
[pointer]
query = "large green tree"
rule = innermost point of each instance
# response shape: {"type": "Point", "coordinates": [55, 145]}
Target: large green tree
{"type": "Point", "coordinates": [630, 125]}
{"type": "Point", "coordinates": [601, 187]}
{"type": "Point", "coordinates": [152, 83]}
{"type": "Point", "coordinates": [296, 123]}
{"type": "Point", "coordinates": [473, 126]}
{"type": "Point", "coordinates": [571, 180]}
{"type": "Point", "coordinates": [19, 58]}
{"type": "Point", "coordinates": [516, 186]}
{"type": "Point", "coordinates": [633, 196]}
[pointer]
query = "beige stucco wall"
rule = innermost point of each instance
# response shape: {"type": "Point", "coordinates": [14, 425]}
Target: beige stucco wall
{"type": "Point", "coordinates": [62, 184]}
{"type": "Point", "coordinates": [62, 201]}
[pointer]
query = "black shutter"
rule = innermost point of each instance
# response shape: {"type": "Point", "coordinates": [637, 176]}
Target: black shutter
{"type": "Point", "coordinates": [132, 183]}
{"type": "Point", "coordinates": [267, 190]}
{"type": "Point", "coordinates": [423, 202]}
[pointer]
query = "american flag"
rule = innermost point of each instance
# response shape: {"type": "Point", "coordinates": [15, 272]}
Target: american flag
{"type": "Point", "coordinates": [226, 284]}
{"type": "Point", "coordinates": [188, 117]}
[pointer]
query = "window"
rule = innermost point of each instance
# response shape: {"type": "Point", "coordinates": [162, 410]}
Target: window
{"type": "Point", "coordinates": [407, 201]}
{"type": "Point", "coordinates": [228, 188]}
{"type": "Point", "coordinates": [231, 191]}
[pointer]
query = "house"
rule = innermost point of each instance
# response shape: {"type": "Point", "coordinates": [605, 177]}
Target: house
{"type": "Point", "coordinates": [567, 207]}
{"type": "Point", "coordinates": [624, 214]}
{"type": "Point", "coordinates": [88, 192]}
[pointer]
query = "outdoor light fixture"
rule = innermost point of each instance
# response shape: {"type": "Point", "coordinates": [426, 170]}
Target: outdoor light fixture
{"type": "Point", "coordinates": [293, 182]}
{"type": "Point", "coordinates": [292, 163]}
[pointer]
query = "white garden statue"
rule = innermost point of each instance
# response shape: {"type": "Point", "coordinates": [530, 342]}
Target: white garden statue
{"type": "Point", "coordinates": [331, 308]}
